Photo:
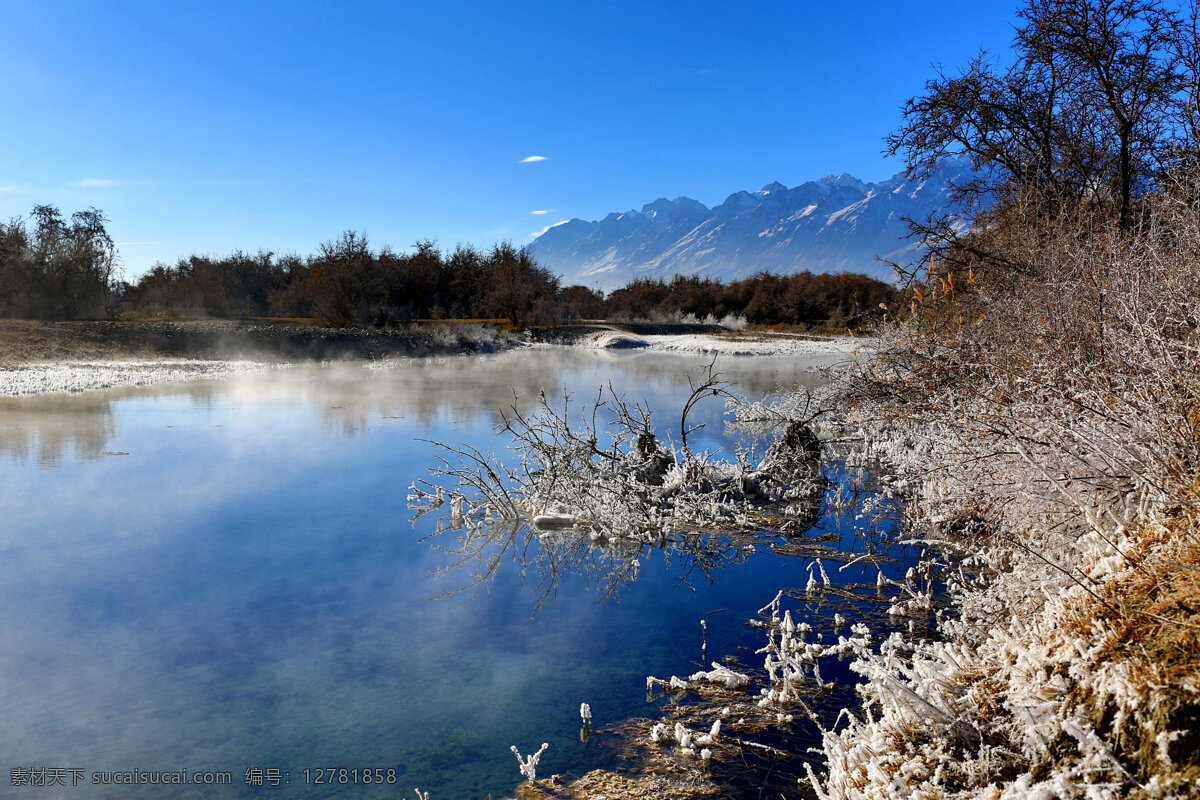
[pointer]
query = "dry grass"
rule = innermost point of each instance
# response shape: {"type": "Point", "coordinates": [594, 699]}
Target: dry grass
{"type": "Point", "coordinates": [24, 342]}
{"type": "Point", "coordinates": [601, 784]}
{"type": "Point", "coordinates": [1152, 619]}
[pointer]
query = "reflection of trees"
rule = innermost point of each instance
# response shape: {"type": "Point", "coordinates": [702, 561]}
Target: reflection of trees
{"type": "Point", "coordinates": [349, 397]}
{"type": "Point", "coordinates": [829, 526]}
{"type": "Point", "coordinates": [431, 389]}
{"type": "Point", "coordinates": [546, 557]}
{"type": "Point", "coordinates": [43, 428]}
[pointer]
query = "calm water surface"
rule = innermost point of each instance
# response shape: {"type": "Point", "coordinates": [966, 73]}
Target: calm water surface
{"type": "Point", "coordinates": [225, 576]}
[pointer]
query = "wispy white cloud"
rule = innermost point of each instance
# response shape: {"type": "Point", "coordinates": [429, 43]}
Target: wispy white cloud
{"type": "Point", "coordinates": [531, 159]}
{"type": "Point", "coordinates": [89, 183]}
{"type": "Point", "coordinates": [536, 234]}
{"type": "Point", "coordinates": [541, 211]}
{"type": "Point", "coordinates": [11, 188]}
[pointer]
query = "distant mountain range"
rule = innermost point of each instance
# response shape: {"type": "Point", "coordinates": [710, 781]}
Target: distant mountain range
{"type": "Point", "coordinates": [829, 225]}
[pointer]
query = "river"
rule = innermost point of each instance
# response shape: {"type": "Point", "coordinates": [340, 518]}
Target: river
{"type": "Point", "coordinates": [224, 576]}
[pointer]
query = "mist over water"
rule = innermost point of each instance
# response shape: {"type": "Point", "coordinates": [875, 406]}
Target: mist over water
{"type": "Point", "coordinates": [225, 576]}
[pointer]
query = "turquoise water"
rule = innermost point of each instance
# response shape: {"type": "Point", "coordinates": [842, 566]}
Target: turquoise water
{"type": "Point", "coordinates": [224, 576]}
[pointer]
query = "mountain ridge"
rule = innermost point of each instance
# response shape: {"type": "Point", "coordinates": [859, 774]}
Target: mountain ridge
{"type": "Point", "coordinates": [832, 224]}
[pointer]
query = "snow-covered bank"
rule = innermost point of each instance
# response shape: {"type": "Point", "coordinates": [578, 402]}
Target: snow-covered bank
{"type": "Point", "coordinates": [759, 344]}
{"type": "Point", "coordinates": [1044, 680]}
{"type": "Point", "coordinates": [610, 340]}
{"type": "Point", "coordinates": [74, 377]}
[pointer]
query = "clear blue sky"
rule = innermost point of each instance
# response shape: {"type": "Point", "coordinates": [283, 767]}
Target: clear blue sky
{"type": "Point", "coordinates": [206, 127]}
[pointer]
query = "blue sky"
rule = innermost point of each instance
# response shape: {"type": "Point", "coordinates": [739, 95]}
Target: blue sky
{"type": "Point", "coordinates": [207, 127]}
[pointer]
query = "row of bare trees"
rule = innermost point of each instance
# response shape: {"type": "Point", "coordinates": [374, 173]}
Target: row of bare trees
{"type": "Point", "coordinates": [347, 283]}
{"type": "Point", "coordinates": [803, 298]}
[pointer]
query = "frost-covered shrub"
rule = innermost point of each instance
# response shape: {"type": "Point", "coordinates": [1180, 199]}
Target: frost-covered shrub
{"type": "Point", "coordinates": [1040, 414]}
{"type": "Point", "coordinates": [459, 334]}
{"type": "Point", "coordinates": [618, 482]}
{"type": "Point", "coordinates": [733, 322]}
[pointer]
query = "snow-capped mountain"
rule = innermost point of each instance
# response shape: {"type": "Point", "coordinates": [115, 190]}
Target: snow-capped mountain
{"type": "Point", "coordinates": [828, 225]}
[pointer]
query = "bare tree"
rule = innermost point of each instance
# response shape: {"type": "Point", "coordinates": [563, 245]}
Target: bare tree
{"type": "Point", "coordinates": [60, 269]}
{"type": "Point", "coordinates": [605, 475]}
{"type": "Point", "coordinates": [1092, 108]}
{"type": "Point", "coordinates": [517, 283]}
{"type": "Point", "coordinates": [337, 282]}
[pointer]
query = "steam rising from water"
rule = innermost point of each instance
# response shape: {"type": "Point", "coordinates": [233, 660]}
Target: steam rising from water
{"type": "Point", "coordinates": [348, 397]}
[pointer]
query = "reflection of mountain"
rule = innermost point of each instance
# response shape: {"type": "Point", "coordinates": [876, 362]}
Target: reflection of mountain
{"type": "Point", "coordinates": [349, 396]}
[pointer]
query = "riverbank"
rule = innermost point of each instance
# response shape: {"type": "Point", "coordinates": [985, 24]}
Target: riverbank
{"type": "Point", "coordinates": [1060, 580]}
{"type": "Point", "coordinates": [27, 342]}
{"type": "Point", "coordinates": [46, 357]}
{"type": "Point", "coordinates": [1067, 657]}
{"type": "Point", "coordinates": [72, 357]}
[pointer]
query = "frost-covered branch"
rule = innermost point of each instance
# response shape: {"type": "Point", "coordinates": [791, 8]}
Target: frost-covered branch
{"type": "Point", "coordinates": [605, 476]}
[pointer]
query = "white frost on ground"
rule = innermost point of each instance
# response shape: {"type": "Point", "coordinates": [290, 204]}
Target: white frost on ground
{"type": "Point", "coordinates": [74, 377]}
{"type": "Point", "coordinates": [749, 344]}
{"type": "Point", "coordinates": [760, 344]}
{"type": "Point", "coordinates": [611, 340]}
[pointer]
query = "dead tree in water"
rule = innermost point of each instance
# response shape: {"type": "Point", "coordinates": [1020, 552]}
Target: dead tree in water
{"type": "Point", "coordinates": [609, 477]}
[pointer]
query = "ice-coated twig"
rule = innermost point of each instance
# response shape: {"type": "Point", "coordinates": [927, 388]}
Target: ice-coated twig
{"type": "Point", "coordinates": [528, 765]}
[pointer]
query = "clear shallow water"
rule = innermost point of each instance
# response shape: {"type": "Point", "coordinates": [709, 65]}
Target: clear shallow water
{"type": "Point", "coordinates": [225, 576]}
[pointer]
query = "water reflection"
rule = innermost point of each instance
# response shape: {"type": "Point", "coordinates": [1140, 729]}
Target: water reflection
{"type": "Point", "coordinates": [46, 429]}
{"type": "Point", "coordinates": [544, 558]}
{"type": "Point", "coordinates": [350, 397]}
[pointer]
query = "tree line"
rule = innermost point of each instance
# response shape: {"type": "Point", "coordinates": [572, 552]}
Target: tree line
{"type": "Point", "coordinates": [56, 269]}
{"type": "Point", "coordinates": [347, 283]}
{"type": "Point", "coordinates": [803, 298]}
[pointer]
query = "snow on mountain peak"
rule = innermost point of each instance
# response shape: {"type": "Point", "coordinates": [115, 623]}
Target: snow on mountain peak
{"type": "Point", "coordinates": [843, 179]}
{"type": "Point", "coordinates": [664, 208]}
{"type": "Point", "coordinates": [553, 225]}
